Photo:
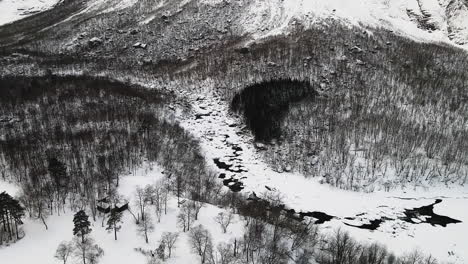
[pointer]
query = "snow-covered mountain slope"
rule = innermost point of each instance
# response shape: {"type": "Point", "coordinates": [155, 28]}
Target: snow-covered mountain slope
{"type": "Point", "coordinates": [439, 20]}
{"type": "Point", "coordinates": [12, 10]}
{"type": "Point", "coordinates": [423, 20]}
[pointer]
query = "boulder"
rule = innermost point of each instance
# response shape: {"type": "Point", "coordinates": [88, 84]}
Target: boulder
{"type": "Point", "coordinates": [140, 45]}
{"type": "Point", "coordinates": [260, 146]}
{"type": "Point", "coordinates": [271, 64]}
{"type": "Point", "coordinates": [93, 42]}
{"type": "Point", "coordinates": [356, 49]}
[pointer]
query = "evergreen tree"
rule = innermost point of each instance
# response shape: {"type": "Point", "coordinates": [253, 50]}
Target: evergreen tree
{"type": "Point", "coordinates": [11, 213]}
{"type": "Point", "coordinates": [81, 222]}
{"type": "Point", "coordinates": [16, 213]}
{"type": "Point", "coordinates": [161, 251]}
{"type": "Point", "coordinates": [113, 221]}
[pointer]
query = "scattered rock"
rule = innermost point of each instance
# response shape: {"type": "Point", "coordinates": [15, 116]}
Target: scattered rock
{"type": "Point", "coordinates": [288, 168]}
{"type": "Point", "coordinates": [9, 120]}
{"type": "Point", "coordinates": [94, 42]}
{"type": "Point", "coordinates": [356, 50]}
{"type": "Point", "coordinates": [253, 197]}
{"type": "Point", "coordinates": [271, 64]}
{"type": "Point", "coordinates": [343, 58]}
{"type": "Point", "coordinates": [230, 123]}
{"type": "Point", "coordinates": [260, 146]}
{"type": "Point", "coordinates": [82, 35]}
{"type": "Point", "coordinates": [201, 113]}
{"type": "Point", "coordinates": [147, 61]}
{"type": "Point", "coordinates": [140, 45]}
{"type": "Point", "coordinates": [133, 31]}
{"type": "Point", "coordinates": [19, 55]}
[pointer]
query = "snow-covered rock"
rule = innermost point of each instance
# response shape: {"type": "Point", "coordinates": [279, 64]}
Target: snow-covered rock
{"type": "Point", "coordinates": [12, 10]}
{"type": "Point", "coordinates": [439, 20]}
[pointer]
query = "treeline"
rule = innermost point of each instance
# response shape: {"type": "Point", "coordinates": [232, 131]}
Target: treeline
{"type": "Point", "coordinates": [66, 140]}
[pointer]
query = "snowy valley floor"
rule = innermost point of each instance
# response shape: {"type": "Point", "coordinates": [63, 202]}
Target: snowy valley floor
{"type": "Point", "coordinates": [447, 243]}
{"type": "Point", "coordinates": [223, 139]}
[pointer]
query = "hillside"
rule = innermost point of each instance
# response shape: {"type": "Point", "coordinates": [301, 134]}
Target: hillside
{"type": "Point", "coordinates": [306, 121]}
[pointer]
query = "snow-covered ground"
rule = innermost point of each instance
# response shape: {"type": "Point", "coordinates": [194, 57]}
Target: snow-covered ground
{"type": "Point", "coordinates": [448, 20]}
{"type": "Point", "coordinates": [266, 18]}
{"type": "Point", "coordinates": [39, 245]}
{"type": "Point", "coordinates": [12, 10]}
{"type": "Point", "coordinates": [219, 131]}
{"type": "Point", "coordinates": [10, 188]}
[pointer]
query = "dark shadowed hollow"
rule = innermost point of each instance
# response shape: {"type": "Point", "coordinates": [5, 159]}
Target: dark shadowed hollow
{"type": "Point", "coordinates": [264, 105]}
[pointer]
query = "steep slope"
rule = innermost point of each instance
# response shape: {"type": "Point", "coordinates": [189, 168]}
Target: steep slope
{"type": "Point", "coordinates": [216, 48]}
{"type": "Point", "coordinates": [457, 12]}
{"type": "Point", "coordinates": [433, 20]}
{"type": "Point", "coordinates": [13, 10]}
{"type": "Point", "coordinates": [437, 20]}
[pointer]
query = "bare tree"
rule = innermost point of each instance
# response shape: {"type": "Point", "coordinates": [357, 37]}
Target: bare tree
{"type": "Point", "coordinates": [196, 206]}
{"type": "Point", "coordinates": [340, 248]}
{"type": "Point", "coordinates": [179, 182]}
{"type": "Point", "coordinates": [224, 254]}
{"type": "Point", "coordinates": [415, 257]}
{"type": "Point", "coordinates": [373, 253]}
{"type": "Point", "coordinates": [169, 239]}
{"type": "Point", "coordinates": [146, 226]}
{"type": "Point", "coordinates": [165, 191]}
{"type": "Point", "coordinates": [153, 260]}
{"type": "Point", "coordinates": [64, 251]}
{"type": "Point", "coordinates": [87, 250]}
{"type": "Point", "coordinates": [142, 199]}
{"type": "Point", "coordinates": [158, 199]}
{"type": "Point", "coordinates": [184, 218]}
{"type": "Point", "coordinates": [224, 219]}
{"type": "Point", "coordinates": [200, 240]}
